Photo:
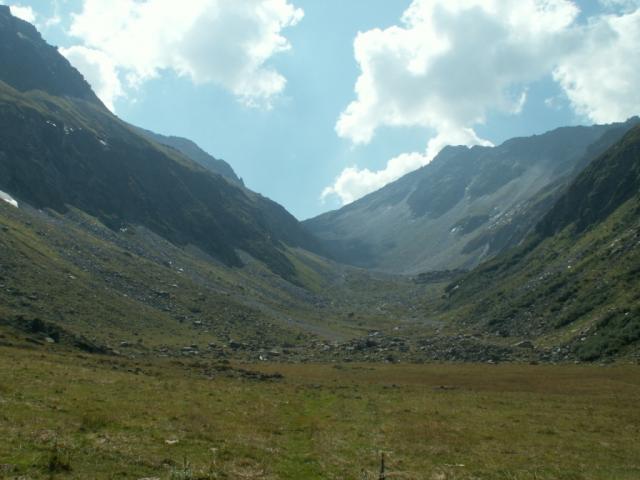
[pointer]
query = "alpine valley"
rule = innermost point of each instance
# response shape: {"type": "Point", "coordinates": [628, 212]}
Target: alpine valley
{"type": "Point", "coordinates": [138, 272]}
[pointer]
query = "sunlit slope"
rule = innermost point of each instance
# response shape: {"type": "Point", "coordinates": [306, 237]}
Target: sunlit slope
{"type": "Point", "coordinates": [576, 281]}
{"type": "Point", "coordinates": [464, 207]}
{"type": "Point", "coordinates": [72, 277]}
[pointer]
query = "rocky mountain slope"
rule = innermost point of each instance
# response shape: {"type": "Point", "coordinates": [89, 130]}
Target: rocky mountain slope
{"type": "Point", "coordinates": [118, 242]}
{"type": "Point", "coordinates": [464, 207]}
{"type": "Point", "coordinates": [195, 153]}
{"type": "Point", "coordinates": [59, 147]}
{"type": "Point", "coordinates": [278, 218]}
{"type": "Point", "coordinates": [29, 63]}
{"type": "Point", "coordinates": [114, 242]}
{"type": "Point", "coordinates": [575, 282]}
{"type": "Point", "coordinates": [68, 281]}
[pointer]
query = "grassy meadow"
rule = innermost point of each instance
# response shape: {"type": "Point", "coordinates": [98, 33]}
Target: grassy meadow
{"type": "Point", "coordinates": [64, 415]}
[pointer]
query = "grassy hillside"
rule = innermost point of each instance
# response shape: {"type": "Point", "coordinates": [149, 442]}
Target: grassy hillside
{"type": "Point", "coordinates": [81, 288]}
{"type": "Point", "coordinates": [576, 281]}
{"type": "Point", "coordinates": [130, 292]}
{"type": "Point", "coordinates": [71, 278]}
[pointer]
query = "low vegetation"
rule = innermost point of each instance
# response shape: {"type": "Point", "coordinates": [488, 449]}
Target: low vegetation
{"type": "Point", "coordinates": [573, 285]}
{"type": "Point", "coordinates": [80, 417]}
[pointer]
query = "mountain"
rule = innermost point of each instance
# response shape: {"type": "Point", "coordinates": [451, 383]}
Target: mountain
{"type": "Point", "coordinates": [464, 207]}
{"type": "Point", "coordinates": [195, 153]}
{"type": "Point", "coordinates": [29, 63]}
{"type": "Point", "coordinates": [61, 148]}
{"type": "Point", "coordinates": [276, 216]}
{"type": "Point", "coordinates": [114, 240]}
{"type": "Point", "coordinates": [575, 281]}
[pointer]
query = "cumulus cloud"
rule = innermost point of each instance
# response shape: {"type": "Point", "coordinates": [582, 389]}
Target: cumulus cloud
{"type": "Point", "coordinates": [227, 43]}
{"type": "Point", "coordinates": [451, 62]}
{"type": "Point", "coordinates": [354, 183]}
{"type": "Point", "coordinates": [26, 13]}
{"type": "Point", "coordinates": [602, 76]}
{"type": "Point", "coordinates": [99, 70]}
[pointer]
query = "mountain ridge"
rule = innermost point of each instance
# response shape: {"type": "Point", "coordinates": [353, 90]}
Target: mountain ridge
{"type": "Point", "coordinates": [62, 147]}
{"type": "Point", "coordinates": [575, 279]}
{"type": "Point", "coordinates": [465, 206]}
{"type": "Point", "coordinates": [194, 152]}
{"type": "Point", "coordinates": [40, 66]}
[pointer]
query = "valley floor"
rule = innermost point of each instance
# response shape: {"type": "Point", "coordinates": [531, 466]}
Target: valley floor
{"type": "Point", "coordinates": [64, 415]}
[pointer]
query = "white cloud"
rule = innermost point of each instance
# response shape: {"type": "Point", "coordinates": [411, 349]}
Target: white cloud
{"type": "Point", "coordinates": [354, 183]}
{"type": "Point", "coordinates": [99, 70]}
{"type": "Point", "coordinates": [451, 62]}
{"type": "Point", "coordinates": [55, 19]}
{"type": "Point", "coordinates": [228, 43]}
{"type": "Point", "coordinates": [602, 76]}
{"type": "Point", "coordinates": [626, 5]}
{"type": "Point", "coordinates": [26, 13]}
{"type": "Point", "coordinates": [444, 68]}
{"type": "Point", "coordinates": [52, 21]}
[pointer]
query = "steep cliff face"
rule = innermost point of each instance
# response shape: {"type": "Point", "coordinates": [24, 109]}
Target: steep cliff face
{"type": "Point", "coordinates": [602, 188]}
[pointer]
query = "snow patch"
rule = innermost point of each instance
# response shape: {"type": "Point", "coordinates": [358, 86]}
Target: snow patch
{"type": "Point", "coordinates": [8, 198]}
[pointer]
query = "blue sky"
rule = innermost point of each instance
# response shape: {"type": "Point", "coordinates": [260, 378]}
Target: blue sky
{"type": "Point", "coordinates": [286, 140]}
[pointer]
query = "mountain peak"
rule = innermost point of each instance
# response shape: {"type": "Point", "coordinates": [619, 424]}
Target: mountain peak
{"type": "Point", "coordinates": [465, 206]}
{"type": "Point", "coordinates": [41, 67]}
{"type": "Point", "coordinates": [195, 153]}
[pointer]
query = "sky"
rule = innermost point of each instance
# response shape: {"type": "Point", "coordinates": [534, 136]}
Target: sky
{"type": "Point", "coordinates": [316, 103]}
